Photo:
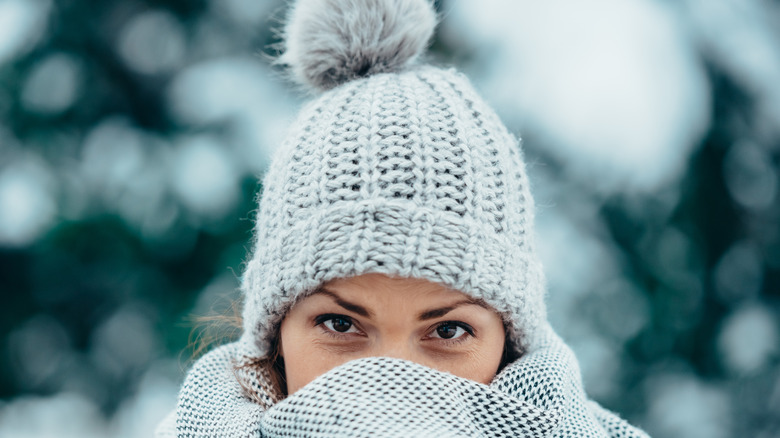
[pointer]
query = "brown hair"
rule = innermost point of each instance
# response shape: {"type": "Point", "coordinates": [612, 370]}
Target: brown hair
{"type": "Point", "coordinates": [224, 326]}
{"type": "Point", "coordinates": [270, 367]}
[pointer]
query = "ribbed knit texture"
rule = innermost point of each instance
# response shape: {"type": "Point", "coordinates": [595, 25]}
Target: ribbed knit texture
{"type": "Point", "coordinates": [540, 395]}
{"type": "Point", "coordinates": [408, 174]}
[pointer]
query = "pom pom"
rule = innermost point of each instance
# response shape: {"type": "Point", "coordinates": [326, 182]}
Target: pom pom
{"type": "Point", "coordinates": [329, 42]}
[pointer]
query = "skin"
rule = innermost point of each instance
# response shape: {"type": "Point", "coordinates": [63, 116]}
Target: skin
{"type": "Point", "coordinates": [375, 315]}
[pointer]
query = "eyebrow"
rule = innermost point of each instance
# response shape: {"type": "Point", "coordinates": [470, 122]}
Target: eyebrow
{"type": "Point", "coordinates": [441, 311]}
{"type": "Point", "coordinates": [423, 316]}
{"type": "Point", "coordinates": [352, 307]}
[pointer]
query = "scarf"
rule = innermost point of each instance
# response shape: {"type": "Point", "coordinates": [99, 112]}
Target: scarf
{"type": "Point", "coordinates": [538, 395]}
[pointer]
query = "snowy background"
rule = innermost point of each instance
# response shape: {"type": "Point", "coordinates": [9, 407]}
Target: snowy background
{"type": "Point", "coordinates": [132, 133]}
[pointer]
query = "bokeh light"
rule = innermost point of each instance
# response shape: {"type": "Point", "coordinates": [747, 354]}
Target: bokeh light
{"type": "Point", "coordinates": [22, 25]}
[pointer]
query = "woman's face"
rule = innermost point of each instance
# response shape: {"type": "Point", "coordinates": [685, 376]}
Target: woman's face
{"type": "Point", "coordinates": [376, 315]}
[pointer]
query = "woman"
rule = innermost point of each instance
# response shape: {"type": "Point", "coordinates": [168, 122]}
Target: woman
{"type": "Point", "coordinates": [394, 289]}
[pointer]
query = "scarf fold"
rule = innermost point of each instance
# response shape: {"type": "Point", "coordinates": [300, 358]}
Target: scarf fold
{"type": "Point", "coordinates": [539, 395]}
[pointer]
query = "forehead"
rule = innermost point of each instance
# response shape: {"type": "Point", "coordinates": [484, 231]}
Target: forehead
{"type": "Point", "coordinates": [382, 291]}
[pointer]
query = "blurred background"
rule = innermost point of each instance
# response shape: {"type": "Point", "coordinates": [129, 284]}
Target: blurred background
{"type": "Point", "coordinates": [133, 133]}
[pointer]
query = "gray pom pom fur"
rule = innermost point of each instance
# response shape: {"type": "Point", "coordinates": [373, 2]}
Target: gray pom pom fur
{"type": "Point", "coordinates": [329, 42]}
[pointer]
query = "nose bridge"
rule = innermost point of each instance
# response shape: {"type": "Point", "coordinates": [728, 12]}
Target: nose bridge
{"type": "Point", "coordinates": [398, 347]}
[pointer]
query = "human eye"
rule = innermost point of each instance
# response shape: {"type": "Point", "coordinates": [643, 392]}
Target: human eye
{"type": "Point", "coordinates": [336, 324]}
{"type": "Point", "coordinates": [452, 331]}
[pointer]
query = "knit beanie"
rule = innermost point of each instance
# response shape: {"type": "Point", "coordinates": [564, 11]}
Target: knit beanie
{"type": "Point", "coordinates": [394, 167]}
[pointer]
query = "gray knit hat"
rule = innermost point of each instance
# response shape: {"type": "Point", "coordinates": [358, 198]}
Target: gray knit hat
{"type": "Point", "coordinates": [395, 168]}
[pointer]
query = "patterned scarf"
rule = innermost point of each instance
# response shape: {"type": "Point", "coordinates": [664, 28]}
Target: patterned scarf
{"type": "Point", "coordinates": [539, 395]}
